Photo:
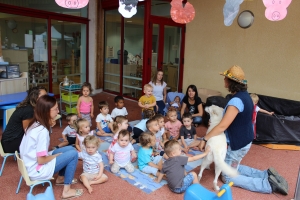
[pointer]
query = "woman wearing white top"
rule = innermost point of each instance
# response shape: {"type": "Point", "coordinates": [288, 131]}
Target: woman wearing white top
{"type": "Point", "coordinates": [41, 164]}
{"type": "Point", "coordinates": [159, 90]}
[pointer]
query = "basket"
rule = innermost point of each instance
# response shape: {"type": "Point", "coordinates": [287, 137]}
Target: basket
{"type": "Point", "coordinates": [71, 109]}
{"type": "Point", "coordinates": [70, 97]}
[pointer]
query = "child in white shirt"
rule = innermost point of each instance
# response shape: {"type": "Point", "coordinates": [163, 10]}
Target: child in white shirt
{"type": "Point", "coordinates": [104, 120]}
{"type": "Point", "coordinates": [119, 110]}
{"type": "Point", "coordinates": [92, 164]}
{"type": "Point", "coordinates": [122, 153]}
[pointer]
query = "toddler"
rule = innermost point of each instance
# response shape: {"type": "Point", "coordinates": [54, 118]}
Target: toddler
{"type": "Point", "coordinates": [173, 125]}
{"type": "Point", "coordinates": [188, 136]}
{"type": "Point", "coordinates": [85, 106]}
{"type": "Point", "coordinates": [119, 110]}
{"type": "Point", "coordinates": [256, 109]}
{"type": "Point", "coordinates": [69, 133]}
{"type": "Point", "coordinates": [83, 130]}
{"type": "Point", "coordinates": [92, 163]}
{"type": "Point", "coordinates": [176, 103]}
{"type": "Point", "coordinates": [148, 162]}
{"type": "Point", "coordinates": [177, 178]}
{"type": "Point", "coordinates": [140, 127]}
{"type": "Point", "coordinates": [121, 152]}
{"type": "Point", "coordinates": [119, 124]}
{"type": "Point", "coordinates": [104, 120]}
{"type": "Point", "coordinates": [160, 136]}
{"type": "Point", "coordinates": [147, 101]}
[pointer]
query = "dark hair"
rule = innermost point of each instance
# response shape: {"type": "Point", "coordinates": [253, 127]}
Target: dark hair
{"type": "Point", "coordinates": [123, 133]}
{"type": "Point", "coordinates": [42, 111]}
{"type": "Point", "coordinates": [102, 104]}
{"type": "Point", "coordinates": [118, 98]}
{"type": "Point", "coordinates": [169, 146]}
{"type": "Point", "coordinates": [148, 113]}
{"type": "Point", "coordinates": [69, 116]}
{"type": "Point", "coordinates": [194, 88]}
{"type": "Point", "coordinates": [187, 115]}
{"type": "Point", "coordinates": [154, 78]}
{"type": "Point", "coordinates": [158, 117]}
{"type": "Point", "coordinates": [149, 122]}
{"type": "Point", "coordinates": [171, 110]}
{"type": "Point", "coordinates": [32, 96]}
{"type": "Point", "coordinates": [234, 86]}
{"type": "Point", "coordinates": [145, 138]}
{"type": "Point", "coordinates": [88, 85]}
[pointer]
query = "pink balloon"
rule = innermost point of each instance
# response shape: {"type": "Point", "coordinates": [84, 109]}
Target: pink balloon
{"type": "Point", "coordinates": [72, 4]}
{"type": "Point", "coordinates": [276, 10]}
{"type": "Point", "coordinates": [180, 14]}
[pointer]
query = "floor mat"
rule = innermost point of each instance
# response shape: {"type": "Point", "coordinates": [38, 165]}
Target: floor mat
{"type": "Point", "coordinates": [143, 181]}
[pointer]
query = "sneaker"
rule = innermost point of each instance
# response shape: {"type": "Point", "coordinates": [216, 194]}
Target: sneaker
{"type": "Point", "coordinates": [280, 179]}
{"type": "Point", "coordinates": [277, 186]}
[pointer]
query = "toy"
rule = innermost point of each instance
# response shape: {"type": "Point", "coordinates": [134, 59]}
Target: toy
{"type": "Point", "coordinates": [198, 192]}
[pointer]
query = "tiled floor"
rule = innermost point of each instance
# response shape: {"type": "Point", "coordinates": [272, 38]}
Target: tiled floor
{"type": "Point", "coordinates": [286, 162]}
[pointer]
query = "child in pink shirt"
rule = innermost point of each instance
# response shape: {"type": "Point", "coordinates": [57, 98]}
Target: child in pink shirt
{"type": "Point", "coordinates": [173, 125]}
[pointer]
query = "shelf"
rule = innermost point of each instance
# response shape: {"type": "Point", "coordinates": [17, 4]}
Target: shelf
{"type": "Point", "coordinates": [112, 82]}
{"type": "Point", "coordinates": [133, 77]}
{"type": "Point", "coordinates": [132, 87]}
{"type": "Point", "coordinates": [112, 74]}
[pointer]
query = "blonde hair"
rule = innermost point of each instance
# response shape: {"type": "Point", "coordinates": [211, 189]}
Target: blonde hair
{"type": "Point", "coordinates": [118, 120]}
{"type": "Point", "coordinates": [91, 139]}
{"type": "Point", "coordinates": [147, 86]}
{"type": "Point", "coordinates": [254, 98]}
{"type": "Point", "coordinates": [79, 123]}
{"type": "Point", "coordinates": [169, 146]}
{"type": "Point", "coordinates": [171, 110]}
{"type": "Point", "coordinates": [145, 138]}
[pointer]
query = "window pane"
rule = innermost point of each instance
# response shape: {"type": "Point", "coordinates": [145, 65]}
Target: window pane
{"type": "Point", "coordinates": [160, 8]}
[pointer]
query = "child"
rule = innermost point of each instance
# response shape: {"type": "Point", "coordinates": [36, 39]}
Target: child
{"type": "Point", "coordinates": [176, 103]}
{"type": "Point", "coordinates": [119, 124]}
{"type": "Point", "coordinates": [104, 120]}
{"type": "Point", "coordinates": [147, 161]}
{"type": "Point", "coordinates": [85, 105]}
{"type": "Point", "coordinates": [140, 127]}
{"type": "Point", "coordinates": [83, 130]}
{"type": "Point", "coordinates": [120, 153]}
{"type": "Point", "coordinates": [256, 109]}
{"type": "Point", "coordinates": [160, 136]}
{"type": "Point", "coordinates": [120, 110]}
{"type": "Point", "coordinates": [188, 136]}
{"type": "Point", "coordinates": [69, 133]}
{"type": "Point", "coordinates": [92, 163]}
{"type": "Point", "coordinates": [147, 101]}
{"type": "Point", "coordinates": [178, 180]}
{"type": "Point", "coordinates": [173, 125]}
{"type": "Point", "coordinates": [153, 127]}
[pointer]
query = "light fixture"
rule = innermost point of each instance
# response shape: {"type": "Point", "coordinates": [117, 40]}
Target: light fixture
{"type": "Point", "coordinates": [72, 4]}
{"type": "Point", "coordinates": [245, 19]}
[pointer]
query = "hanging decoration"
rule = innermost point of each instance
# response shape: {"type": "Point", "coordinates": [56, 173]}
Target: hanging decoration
{"type": "Point", "coordinates": [72, 4]}
{"type": "Point", "coordinates": [182, 13]}
{"type": "Point", "coordinates": [276, 10]}
{"type": "Point", "coordinates": [230, 10]}
{"type": "Point", "coordinates": [127, 8]}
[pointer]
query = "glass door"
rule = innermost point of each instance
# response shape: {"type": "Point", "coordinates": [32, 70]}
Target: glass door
{"type": "Point", "coordinates": [166, 54]}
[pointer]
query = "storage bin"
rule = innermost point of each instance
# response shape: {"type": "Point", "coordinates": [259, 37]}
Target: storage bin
{"type": "Point", "coordinates": [70, 97]}
{"type": "Point", "coordinates": [204, 93]}
{"type": "Point", "coordinates": [71, 109]}
{"type": "Point", "coordinates": [73, 87]}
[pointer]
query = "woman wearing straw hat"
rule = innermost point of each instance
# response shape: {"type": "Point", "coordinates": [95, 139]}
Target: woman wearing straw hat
{"type": "Point", "coordinates": [237, 124]}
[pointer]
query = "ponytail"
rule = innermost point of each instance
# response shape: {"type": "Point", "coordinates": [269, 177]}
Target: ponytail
{"type": "Point", "coordinates": [118, 120]}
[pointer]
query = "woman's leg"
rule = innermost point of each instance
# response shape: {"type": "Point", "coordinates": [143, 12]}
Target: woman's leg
{"type": "Point", "coordinates": [136, 134]}
{"type": "Point", "coordinates": [12, 146]}
{"type": "Point", "coordinates": [197, 120]}
{"type": "Point", "coordinates": [161, 106]}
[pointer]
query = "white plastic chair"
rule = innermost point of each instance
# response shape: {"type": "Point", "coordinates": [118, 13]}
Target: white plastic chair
{"type": "Point", "coordinates": [5, 156]}
{"type": "Point", "coordinates": [24, 174]}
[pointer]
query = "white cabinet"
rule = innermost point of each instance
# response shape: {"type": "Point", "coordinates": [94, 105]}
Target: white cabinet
{"type": "Point", "coordinates": [15, 85]}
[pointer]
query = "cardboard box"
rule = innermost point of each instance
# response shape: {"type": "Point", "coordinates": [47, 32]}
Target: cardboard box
{"type": "Point", "coordinates": [204, 93]}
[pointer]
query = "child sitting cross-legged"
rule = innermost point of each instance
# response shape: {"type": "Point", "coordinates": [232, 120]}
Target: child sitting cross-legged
{"type": "Point", "coordinates": [104, 120]}
{"type": "Point", "coordinates": [149, 162]}
{"type": "Point", "coordinates": [121, 153]}
{"type": "Point", "coordinates": [177, 178]}
{"type": "Point", "coordinates": [92, 163]}
{"type": "Point", "coordinates": [69, 133]}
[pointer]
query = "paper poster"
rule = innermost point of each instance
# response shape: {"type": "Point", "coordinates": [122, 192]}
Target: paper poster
{"type": "Point", "coordinates": [276, 10]}
{"type": "Point", "coordinates": [36, 55]}
{"type": "Point", "coordinates": [28, 41]}
{"type": "Point", "coordinates": [43, 55]}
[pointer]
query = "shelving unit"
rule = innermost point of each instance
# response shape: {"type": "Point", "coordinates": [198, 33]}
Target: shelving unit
{"type": "Point", "coordinates": [68, 96]}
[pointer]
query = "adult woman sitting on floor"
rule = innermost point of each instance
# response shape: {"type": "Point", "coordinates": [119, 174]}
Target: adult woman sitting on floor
{"type": "Point", "coordinates": [237, 124]}
{"type": "Point", "coordinates": [193, 103]}
{"type": "Point", "coordinates": [19, 120]}
{"type": "Point", "coordinates": [159, 91]}
{"type": "Point", "coordinates": [40, 164]}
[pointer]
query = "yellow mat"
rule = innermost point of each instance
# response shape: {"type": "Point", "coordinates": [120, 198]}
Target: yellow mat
{"type": "Point", "coordinates": [282, 146]}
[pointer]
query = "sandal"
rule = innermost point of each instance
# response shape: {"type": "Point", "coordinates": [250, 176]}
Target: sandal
{"type": "Point", "coordinates": [73, 182]}
{"type": "Point", "coordinates": [78, 193]}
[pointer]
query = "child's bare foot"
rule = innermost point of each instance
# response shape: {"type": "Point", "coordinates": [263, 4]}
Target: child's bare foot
{"type": "Point", "coordinates": [90, 189]}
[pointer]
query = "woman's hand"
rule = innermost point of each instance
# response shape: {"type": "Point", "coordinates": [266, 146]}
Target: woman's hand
{"type": "Point", "coordinates": [202, 145]}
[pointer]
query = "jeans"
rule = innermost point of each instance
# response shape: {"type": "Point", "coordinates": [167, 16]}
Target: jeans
{"type": "Point", "coordinates": [197, 120]}
{"type": "Point", "coordinates": [161, 106]}
{"type": "Point", "coordinates": [66, 163]}
{"type": "Point", "coordinates": [186, 182]}
{"type": "Point", "coordinates": [249, 178]}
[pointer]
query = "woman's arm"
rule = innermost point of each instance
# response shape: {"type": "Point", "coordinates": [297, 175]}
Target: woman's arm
{"type": "Point", "coordinates": [45, 159]}
{"type": "Point", "coordinates": [200, 111]}
{"type": "Point", "coordinates": [25, 123]}
{"type": "Point", "coordinates": [182, 109]}
{"type": "Point", "coordinates": [165, 94]}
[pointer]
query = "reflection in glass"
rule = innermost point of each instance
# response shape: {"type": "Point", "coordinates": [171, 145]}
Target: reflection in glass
{"type": "Point", "coordinates": [160, 8]}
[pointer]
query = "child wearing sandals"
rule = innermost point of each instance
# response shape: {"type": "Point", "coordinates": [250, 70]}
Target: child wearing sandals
{"type": "Point", "coordinates": [85, 105]}
{"type": "Point", "coordinates": [121, 152]}
{"type": "Point", "coordinates": [148, 162]}
{"type": "Point", "coordinates": [92, 164]}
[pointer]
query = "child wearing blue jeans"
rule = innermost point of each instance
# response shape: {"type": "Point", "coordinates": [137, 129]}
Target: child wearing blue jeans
{"type": "Point", "coordinates": [149, 162]}
{"type": "Point", "coordinates": [177, 178]}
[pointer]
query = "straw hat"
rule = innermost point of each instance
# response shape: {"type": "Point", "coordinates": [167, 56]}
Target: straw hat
{"type": "Point", "coordinates": [235, 73]}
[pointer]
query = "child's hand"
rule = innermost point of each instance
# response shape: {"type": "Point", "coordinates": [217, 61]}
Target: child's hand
{"type": "Point", "coordinates": [271, 113]}
{"type": "Point", "coordinates": [156, 180]}
{"type": "Point", "coordinates": [79, 115]}
{"type": "Point", "coordinates": [111, 162]}
{"type": "Point", "coordinates": [97, 177]}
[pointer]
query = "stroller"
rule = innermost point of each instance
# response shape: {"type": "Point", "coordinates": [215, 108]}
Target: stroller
{"type": "Point", "coordinates": [170, 98]}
